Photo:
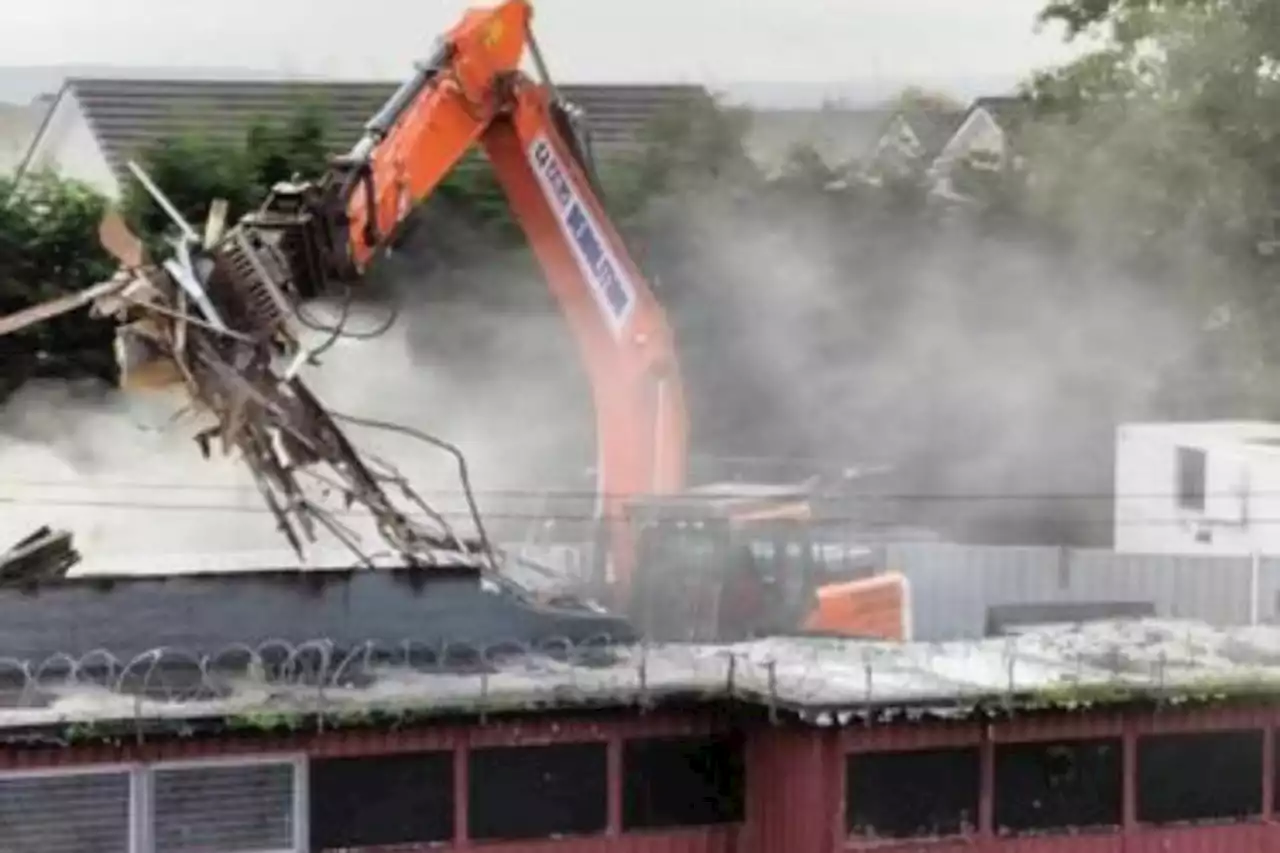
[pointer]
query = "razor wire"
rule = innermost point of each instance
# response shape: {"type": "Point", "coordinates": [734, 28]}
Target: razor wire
{"type": "Point", "coordinates": [323, 669]}
{"type": "Point", "coordinates": [808, 674]}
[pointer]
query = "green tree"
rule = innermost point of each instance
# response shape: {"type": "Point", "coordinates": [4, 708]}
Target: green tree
{"type": "Point", "coordinates": [49, 248]}
{"type": "Point", "coordinates": [920, 99]}
{"type": "Point", "coordinates": [1159, 149]}
{"type": "Point", "coordinates": [685, 149]}
{"type": "Point", "coordinates": [296, 148]}
{"type": "Point", "coordinates": [193, 170]}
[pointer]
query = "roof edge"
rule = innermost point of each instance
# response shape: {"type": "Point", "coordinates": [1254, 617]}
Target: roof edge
{"type": "Point", "coordinates": [20, 171]}
{"type": "Point", "coordinates": [370, 81]}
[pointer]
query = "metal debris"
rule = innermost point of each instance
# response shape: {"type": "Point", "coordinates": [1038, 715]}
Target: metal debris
{"type": "Point", "coordinates": [44, 555]}
{"type": "Point", "coordinates": [214, 318]}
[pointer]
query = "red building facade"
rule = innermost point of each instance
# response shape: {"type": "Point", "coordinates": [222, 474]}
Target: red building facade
{"type": "Point", "coordinates": [723, 778]}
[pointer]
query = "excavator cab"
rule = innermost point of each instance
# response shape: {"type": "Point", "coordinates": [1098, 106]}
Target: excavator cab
{"type": "Point", "coordinates": [723, 562]}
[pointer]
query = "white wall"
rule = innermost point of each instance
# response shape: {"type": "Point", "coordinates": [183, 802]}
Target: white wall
{"type": "Point", "coordinates": [897, 146]}
{"type": "Point", "coordinates": [1241, 511]}
{"type": "Point", "coordinates": [979, 134]}
{"type": "Point", "coordinates": [68, 146]}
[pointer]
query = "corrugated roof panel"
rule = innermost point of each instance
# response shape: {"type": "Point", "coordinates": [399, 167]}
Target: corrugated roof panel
{"type": "Point", "coordinates": [128, 114]}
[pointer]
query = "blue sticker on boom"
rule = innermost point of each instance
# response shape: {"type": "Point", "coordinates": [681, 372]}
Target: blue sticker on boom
{"type": "Point", "coordinates": [613, 292]}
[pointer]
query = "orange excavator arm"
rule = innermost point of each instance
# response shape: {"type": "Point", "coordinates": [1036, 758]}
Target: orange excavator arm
{"type": "Point", "coordinates": [473, 93]}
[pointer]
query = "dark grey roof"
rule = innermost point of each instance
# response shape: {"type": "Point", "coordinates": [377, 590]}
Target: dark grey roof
{"type": "Point", "coordinates": [934, 127]}
{"type": "Point", "coordinates": [128, 114]}
{"type": "Point", "coordinates": [839, 136]}
{"type": "Point", "coordinates": [1009, 111]}
{"type": "Point", "coordinates": [203, 614]}
{"type": "Point", "coordinates": [933, 124]}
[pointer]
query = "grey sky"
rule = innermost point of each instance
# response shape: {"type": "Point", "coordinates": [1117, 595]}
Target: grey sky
{"type": "Point", "coordinates": [711, 41]}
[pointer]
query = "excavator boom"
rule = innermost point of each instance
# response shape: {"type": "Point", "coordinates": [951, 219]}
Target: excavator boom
{"type": "Point", "coordinates": [412, 144]}
{"type": "Point", "coordinates": [471, 92]}
{"type": "Point", "coordinates": [219, 312]}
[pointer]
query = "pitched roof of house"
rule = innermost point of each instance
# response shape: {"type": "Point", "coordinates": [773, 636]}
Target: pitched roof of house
{"type": "Point", "coordinates": [18, 126]}
{"type": "Point", "coordinates": [933, 126]}
{"type": "Point", "coordinates": [128, 114]}
{"type": "Point", "coordinates": [1009, 111]}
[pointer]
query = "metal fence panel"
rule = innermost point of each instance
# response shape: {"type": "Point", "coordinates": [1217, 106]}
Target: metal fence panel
{"type": "Point", "coordinates": [65, 813]}
{"type": "Point", "coordinates": [1213, 589]}
{"type": "Point", "coordinates": [952, 586]}
{"type": "Point", "coordinates": [229, 808]}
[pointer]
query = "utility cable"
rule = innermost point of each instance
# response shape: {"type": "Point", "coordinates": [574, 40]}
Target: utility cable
{"type": "Point", "coordinates": [587, 494]}
{"type": "Point", "coordinates": [464, 475]}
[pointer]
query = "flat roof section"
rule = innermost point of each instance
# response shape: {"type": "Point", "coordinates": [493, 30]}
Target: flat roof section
{"type": "Point", "coordinates": [823, 681]}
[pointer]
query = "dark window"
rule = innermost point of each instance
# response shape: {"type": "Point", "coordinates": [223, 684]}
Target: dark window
{"type": "Point", "coordinates": [1206, 776]}
{"type": "Point", "coordinates": [682, 781]}
{"type": "Point", "coordinates": [912, 794]}
{"type": "Point", "coordinates": [1043, 787]}
{"type": "Point", "coordinates": [522, 792]}
{"type": "Point", "coordinates": [1191, 478]}
{"type": "Point", "coordinates": [379, 800]}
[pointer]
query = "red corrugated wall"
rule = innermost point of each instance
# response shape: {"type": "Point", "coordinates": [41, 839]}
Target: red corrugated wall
{"type": "Point", "coordinates": [1133, 838]}
{"type": "Point", "coordinates": [794, 784]}
{"type": "Point", "coordinates": [542, 730]}
{"type": "Point", "coordinates": [795, 778]}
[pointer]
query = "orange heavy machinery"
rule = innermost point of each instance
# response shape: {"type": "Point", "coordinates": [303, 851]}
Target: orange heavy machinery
{"type": "Point", "coordinates": [309, 238]}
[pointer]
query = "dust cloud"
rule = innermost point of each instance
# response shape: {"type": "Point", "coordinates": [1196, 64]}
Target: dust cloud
{"type": "Point", "coordinates": [122, 472]}
{"type": "Point", "coordinates": [989, 372]}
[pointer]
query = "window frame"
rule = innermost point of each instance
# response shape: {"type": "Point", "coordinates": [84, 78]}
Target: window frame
{"type": "Point", "coordinates": [132, 771]}
{"type": "Point", "coordinates": [736, 743]}
{"type": "Point", "coordinates": [603, 745]}
{"type": "Point", "coordinates": [1192, 491]}
{"type": "Point", "coordinates": [1146, 822]}
{"type": "Point", "coordinates": [450, 752]}
{"type": "Point", "coordinates": [966, 831]}
{"type": "Point", "coordinates": [297, 762]}
{"type": "Point", "coordinates": [1076, 828]}
{"type": "Point", "coordinates": [141, 777]}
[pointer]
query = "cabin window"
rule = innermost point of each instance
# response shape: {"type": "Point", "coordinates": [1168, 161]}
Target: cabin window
{"type": "Point", "coordinates": [369, 801]}
{"type": "Point", "coordinates": [525, 792]}
{"type": "Point", "coordinates": [65, 812]}
{"type": "Point", "coordinates": [917, 794]}
{"type": "Point", "coordinates": [1192, 465]}
{"type": "Point", "coordinates": [1058, 787]}
{"type": "Point", "coordinates": [682, 781]}
{"type": "Point", "coordinates": [225, 807]}
{"type": "Point", "coordinates": [1199, 777]}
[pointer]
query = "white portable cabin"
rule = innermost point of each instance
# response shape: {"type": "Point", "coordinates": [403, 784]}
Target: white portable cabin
{"type": "Point", "coordinates": [1208, 488]}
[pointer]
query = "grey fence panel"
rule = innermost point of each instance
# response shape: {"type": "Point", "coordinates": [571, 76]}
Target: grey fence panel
{"type": "Point", "coordinates": [953, 585]}
{"type": "Point", "coordinates": [65, 813]}
{"type": "Point", "coordinates": [235, 807]}
{"type": "Point", "coordinates": [1213, 589]}
{"type": "Point", "coordinates": [1269, 590]}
